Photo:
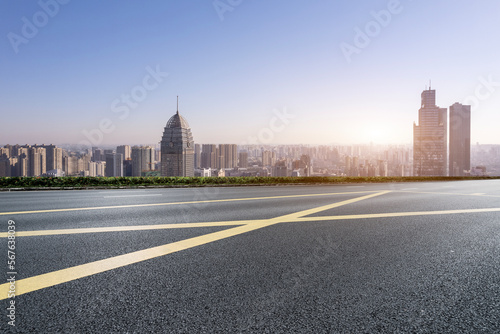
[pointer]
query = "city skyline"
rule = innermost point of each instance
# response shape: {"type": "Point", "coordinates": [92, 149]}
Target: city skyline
{"type": "Point", "coordinates": [343, 73]}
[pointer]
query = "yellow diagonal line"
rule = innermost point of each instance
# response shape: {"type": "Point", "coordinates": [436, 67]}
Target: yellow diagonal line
{"type": "Point", "coordinates": [69, 274]}
{"type": "Point", "coordinates": [177, 203]}
{"type": "Point", "coordinates": [296, 215]}
{"type": "Point", "coordinates": [73, 273]}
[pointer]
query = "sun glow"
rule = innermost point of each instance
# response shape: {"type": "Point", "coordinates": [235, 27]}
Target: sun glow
{"type": "Point", "coordinates": [376, 133]}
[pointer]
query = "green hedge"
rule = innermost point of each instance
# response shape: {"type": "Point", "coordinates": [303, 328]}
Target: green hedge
{"type": "Point", "coordinates": [84, 182]}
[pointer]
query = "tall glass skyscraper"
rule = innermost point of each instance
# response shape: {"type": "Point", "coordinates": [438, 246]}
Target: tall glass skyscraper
{"type": "Point", "coordinates": [459, 140]}
{"type": "Point", "coordinates": [177, 147]}
{"type": "Point", "coordinates": [430, 138]}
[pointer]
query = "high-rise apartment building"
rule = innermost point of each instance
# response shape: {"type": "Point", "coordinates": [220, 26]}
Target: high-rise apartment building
{"type": "Point", "coordinates": [229, 154]}
{"type": "Point", "coordinates": [37, 161]}
{"type": "Point", "coordinates": [430, 138]}
{"type": "Point", "coordinates": [53, 157]}
{"type": "Point", "coordinates": [177, 147]}
{"type": "Point", "coordinates": [459, 164]}
{"type": "Point", "coordinates": [125, 150]}
{"type": "Point", "coordinates": [70, 165]}
{"type": "Point", "coordinates": [209, 154]}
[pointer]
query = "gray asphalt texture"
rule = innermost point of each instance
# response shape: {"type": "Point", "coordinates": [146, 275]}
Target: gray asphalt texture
{"type": "Point", "coordinates": [418, 274]}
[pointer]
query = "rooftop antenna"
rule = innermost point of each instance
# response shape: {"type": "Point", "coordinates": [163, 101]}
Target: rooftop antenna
{"type": "Point", "coordinates": [430, 84]}
{"type": "Point", "coordinates": [177, 104]}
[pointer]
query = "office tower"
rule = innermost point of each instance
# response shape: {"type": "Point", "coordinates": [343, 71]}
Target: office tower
{"type": "Point", "coordinates": [243, 160]}
{"type": "Point", "coordinates": [430, 138]}
{"type": "Point", "coordinates": [114, 164]}
{"type": "Point", "coordinates": [197, 156]}
{"type": "Point", "coordinates": [142, 159]}
{"type": "Point", "coordinates": [127, 167]}
{"type": "Point", "coordinates": [125, 150]}
{"type": "Point", "coordinates": [459, 164]}
{"type": "Point", "coordinates": [98, 154]}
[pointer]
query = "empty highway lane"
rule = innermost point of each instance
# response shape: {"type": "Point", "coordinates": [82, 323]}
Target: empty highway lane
{"type": "Point", "coordinates": [363, 258]}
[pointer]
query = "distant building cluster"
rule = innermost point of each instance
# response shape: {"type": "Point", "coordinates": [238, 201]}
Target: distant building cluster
{"type": "Point", "coordinates": [53, 161]}
{"type": "Point", "coordinates": [433, 153]}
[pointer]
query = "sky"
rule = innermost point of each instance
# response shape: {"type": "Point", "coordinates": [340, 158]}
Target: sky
{"type": "Point", "coordinates": [264, 72]}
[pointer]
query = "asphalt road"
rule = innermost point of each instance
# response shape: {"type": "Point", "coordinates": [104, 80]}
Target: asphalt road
{"type": "Point", "coordinates": [370, 258]}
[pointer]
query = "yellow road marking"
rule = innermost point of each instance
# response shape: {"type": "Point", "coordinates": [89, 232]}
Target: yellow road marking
{"type": "Point", "coordinates": [293, 216]}
{"type": "Point", "coordinates": [126, 228]}
{"type": "Point", "coordinates": [394, 214]}
{"type": "Point", "coordinates": [443, 193]}
{"type": "Point", "coordinates": [69, 274]}
{"type": "Point", "coordinates": [73, 273]}
{"type": "Point", "coordinates": [291, 219]}
{"type": "Point", "coordinates": [179, 203]}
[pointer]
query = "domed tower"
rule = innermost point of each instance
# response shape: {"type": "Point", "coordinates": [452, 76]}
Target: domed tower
{"type": "Point", "coordinates": [177, 147]}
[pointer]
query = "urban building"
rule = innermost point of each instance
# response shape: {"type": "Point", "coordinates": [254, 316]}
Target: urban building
{"type": "Point", "coordinates": [459, 163]}
{"type": "Point", "coordinates": [229, 154]}
{"type": "Point", "coordinates": [37, 161]}
{"type": "Point", "coordinates": [430, 138]}
{"type": "Point", "coordinates": [125, 150]}
{"type": "Point", "coordinates": [209, 154]}
{"type": "Point", "coordinates": [177, 147]}
{"type": "Point", "coordinates": [53, 157]}
{"type": "Point", "coordinates": [142, 160]}
{"type": "Point", "coordinates": [197, 156]}
{"type": "Point", "coordinates": [243, 159]}
{"type": "Point", "coordinates": [114, 164]}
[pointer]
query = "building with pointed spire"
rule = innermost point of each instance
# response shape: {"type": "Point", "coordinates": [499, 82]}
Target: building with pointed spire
{"type": "Point", "coordinates": [177, 147]}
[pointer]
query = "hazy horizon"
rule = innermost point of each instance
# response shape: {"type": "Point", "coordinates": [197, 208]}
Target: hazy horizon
{"type": "Point", "coordinates": [344, 73]}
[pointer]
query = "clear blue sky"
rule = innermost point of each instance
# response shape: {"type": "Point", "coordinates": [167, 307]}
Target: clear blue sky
{"type": "Point", "coordinates": [232, 74]}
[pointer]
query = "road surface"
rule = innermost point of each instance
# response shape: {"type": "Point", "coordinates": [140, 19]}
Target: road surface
{"type": "Point", "coordinates": [369, 258]}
